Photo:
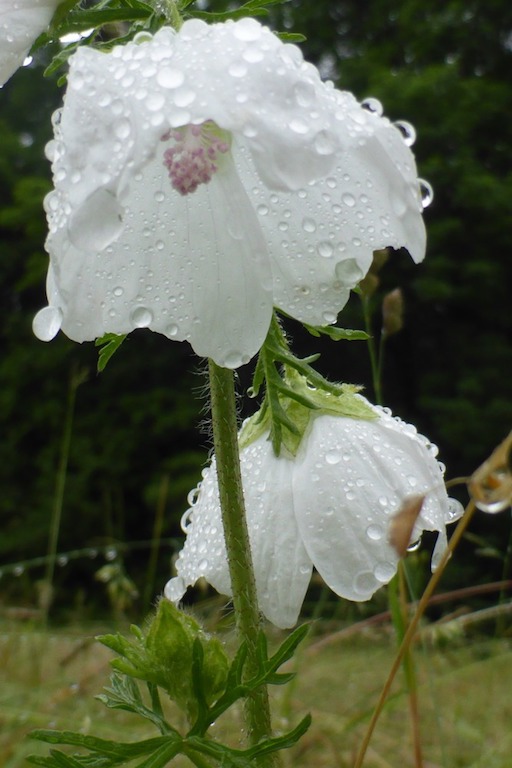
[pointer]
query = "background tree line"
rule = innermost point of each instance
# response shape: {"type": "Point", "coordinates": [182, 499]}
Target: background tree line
{"type": "Point", "coordinates": [446, 67]}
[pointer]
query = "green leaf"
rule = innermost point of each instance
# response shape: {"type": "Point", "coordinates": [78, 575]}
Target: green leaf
{"type": "Point", "coordinates": [337, 334]}
{"type": "Point", "coordinates": [109, 344]}
{"type": "Point", "coordinates": [291, 37]}
{"type": "Point", "coordinates": [117, 751]}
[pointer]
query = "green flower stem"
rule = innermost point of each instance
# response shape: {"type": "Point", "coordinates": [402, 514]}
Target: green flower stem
{"type": "Point", "coordinates": [243, 585]}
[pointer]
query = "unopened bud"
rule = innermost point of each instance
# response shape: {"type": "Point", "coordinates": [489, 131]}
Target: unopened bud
{"type": "Point", "coordinates": [392, 312]}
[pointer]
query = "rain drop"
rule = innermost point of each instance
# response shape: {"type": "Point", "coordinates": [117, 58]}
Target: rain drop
{"type": "Point", "coordinates": [97, 222]}
{"type": "Point", "coordinates": [141, 317]}
{"type": "Point", "coordinates": [374, 532]}
{"type": "Point", "coordinates": [407, 130]}
{"type": "Point", "coordinates": [384, 571]}
{"type": "Point", "coordinates": [298, 126]}
{"type": "Point", "coordinates": [426, 193]}
{"type": "Point", "coordinates": [185, 521]}
{"type": "Point", "coordinates": [47, 323]}
{"type": "Point", "coordinates": [414, 545]}
{"type": "Point", "coordinates": [373, 105]}
{"type": "Point", "coordinates": [309, 225]}
{"type": "Point", "coordinates": [325, 249]}
{"type": "Point", "coordinates": [170, 78]}
{"type": "Point", "coordinates": [333, 457]}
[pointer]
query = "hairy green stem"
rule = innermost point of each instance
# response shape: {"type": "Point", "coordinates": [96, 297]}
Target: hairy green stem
{"type": "Point", "coordinates": [243, 585]}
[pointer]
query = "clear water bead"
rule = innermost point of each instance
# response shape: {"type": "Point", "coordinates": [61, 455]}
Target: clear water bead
{"type": "Point", "coordinates": [47, 323]}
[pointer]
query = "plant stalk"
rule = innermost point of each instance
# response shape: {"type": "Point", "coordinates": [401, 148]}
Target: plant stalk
{"type": "Point", "coordinates": [243, 585]}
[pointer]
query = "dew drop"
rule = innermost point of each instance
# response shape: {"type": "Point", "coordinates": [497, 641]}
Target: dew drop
{"type": "Point", "coordinates": [325, 249]}
{"type": "Point", "coordinates": [324, 143]}
{"type": "Point", "coordinates": [237, 69]}
{"type": "Point", "coordinates": [426, 193]}
{"type": "Point", "coordinates": [365, 583]}
{"type": "Point", "coordinates": [141, 317]}
{"type": "Point", "coordinates": [203, 565]}
{"type": "Point", "coordinates": [304, 93]}
{"type": "Point", "coordinates": [118, 291]}
{"type": "Point", "coordinates": [373, 105]}
{"type": "Point", "coordinates": [47, 323]}
{"type": "Point", "coordinates": [298, 126]}
{"type": "Point", "coordinates": [374, 532]}
{"type": "Point", "coordinates": [309, 225]}
{"type": "Point", "coordinates": [262, 209]}
{"type": "Point", "coordinates": [186, 521]}
{"type": "Point", "coordinates": [414, 545]}
{"type": "Point", "coordinates": [348, 199]}
{"type": "Point", "coordinates": [333, 457]}
{"type": "Point", "coordinates": [170, 78]}
{"type": "Point", "coordinates": [329, 317]}
{"type": "Point", "coordinates": [407, 130]}
{"type": "Point", "coordinates": [122, 129]}
{"type": "Point", "coordinates": [97, 222]}
{"type": "Point", "coordinates": [384, 571]}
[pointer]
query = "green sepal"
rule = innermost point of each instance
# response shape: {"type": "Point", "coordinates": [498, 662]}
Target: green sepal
{"type": "Point", "coordinates": [250, 8]}
{"type": "Point", "coordinates": [109, 344]}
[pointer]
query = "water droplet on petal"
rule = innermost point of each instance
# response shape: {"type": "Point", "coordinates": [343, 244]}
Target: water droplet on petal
{"type": "Point", "coordinates": [325, 249]}
{"type": "Point", "coordinates": [309, 225]}
{"type": "Point", "coordinates": [141, 317]}
{"type": "Point", "coordinates": [365, 583]}
{"type": "Point", "coordinates": [414, 545]}
{"type": "Point", "coordinates": [171, 330]}
{"type": "Point", "coordinates": [426, 192]}
{"type": "Point", "coordinates": [324, 143]}
{"type": "Point", "coordinates": [97, 222]}
{"type": "Point", "coordinates": [407, 130]}
{"type": "Point", "coordinates": [384, 571]}
{"type": "Point", "coordinates": [170, 78]}
{"type": "Point", "coordinates": [47, 323]}
{"type": "Point", "coordinates": [298, 126]}
{"type": "Point", "coordinates": [375, 532]}
{"type": "Point", "coordinates": [333, 457]}
{"type": "Point", "coordinates": [348, 199]}
{"type": "Point", "coordinates": [373, 105]}
{"type": "Point", "coordinates": [186, 521]}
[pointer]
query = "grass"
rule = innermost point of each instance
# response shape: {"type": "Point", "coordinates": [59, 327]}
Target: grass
{"type": "Point", "coordinates": [49, 680]}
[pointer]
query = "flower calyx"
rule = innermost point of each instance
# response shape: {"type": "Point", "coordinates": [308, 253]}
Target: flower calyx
{"type": "Point", "coordinates": [292, 394]}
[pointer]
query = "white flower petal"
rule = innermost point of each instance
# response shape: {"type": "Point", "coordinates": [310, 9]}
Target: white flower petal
{"type": "Point", "coordinates": [192, 268]}
{"type": "Point", "coordinates": [329, 182]}
{"type": "Point", "coordinates": [21, 22]}
{"type": "Point", "coordinates": [282, 567]}
{"type": "Point", "coordinates": [350, 477]}
{"type": "Point", "coordinates": [322, 237]}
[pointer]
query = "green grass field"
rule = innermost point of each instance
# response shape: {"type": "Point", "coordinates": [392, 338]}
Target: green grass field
{"type": "Point", "coordinates": [49, 680]}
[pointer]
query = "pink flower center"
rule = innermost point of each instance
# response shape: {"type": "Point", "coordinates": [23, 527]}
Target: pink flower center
{"type": "Point", "coordinates": [193, 158]}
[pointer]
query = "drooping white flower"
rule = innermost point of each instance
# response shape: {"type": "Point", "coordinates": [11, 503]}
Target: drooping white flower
{"type": "Point", "coordinates": [204, 176]}
{"type": "Point", "coordinates": [21, 22]}
{"type": "Point", "coordinates": [329, 507]}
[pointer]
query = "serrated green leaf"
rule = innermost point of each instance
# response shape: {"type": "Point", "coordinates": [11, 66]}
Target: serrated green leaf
{"type": "Point", "coordinates": [109, 344]}
{"type": "Point", "coordinates": [105, 747]}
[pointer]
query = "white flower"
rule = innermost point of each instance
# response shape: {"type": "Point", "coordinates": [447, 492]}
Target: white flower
{"type": "Point", "coordinates": [329, 507]}
{"type": "Point", "coordinates": [203, 177]}
{"type": "Point", "coordinates": [21, 22]}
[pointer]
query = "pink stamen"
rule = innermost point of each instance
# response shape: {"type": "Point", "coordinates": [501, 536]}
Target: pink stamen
{"type": "Point", "coordinates": [192, 159]}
